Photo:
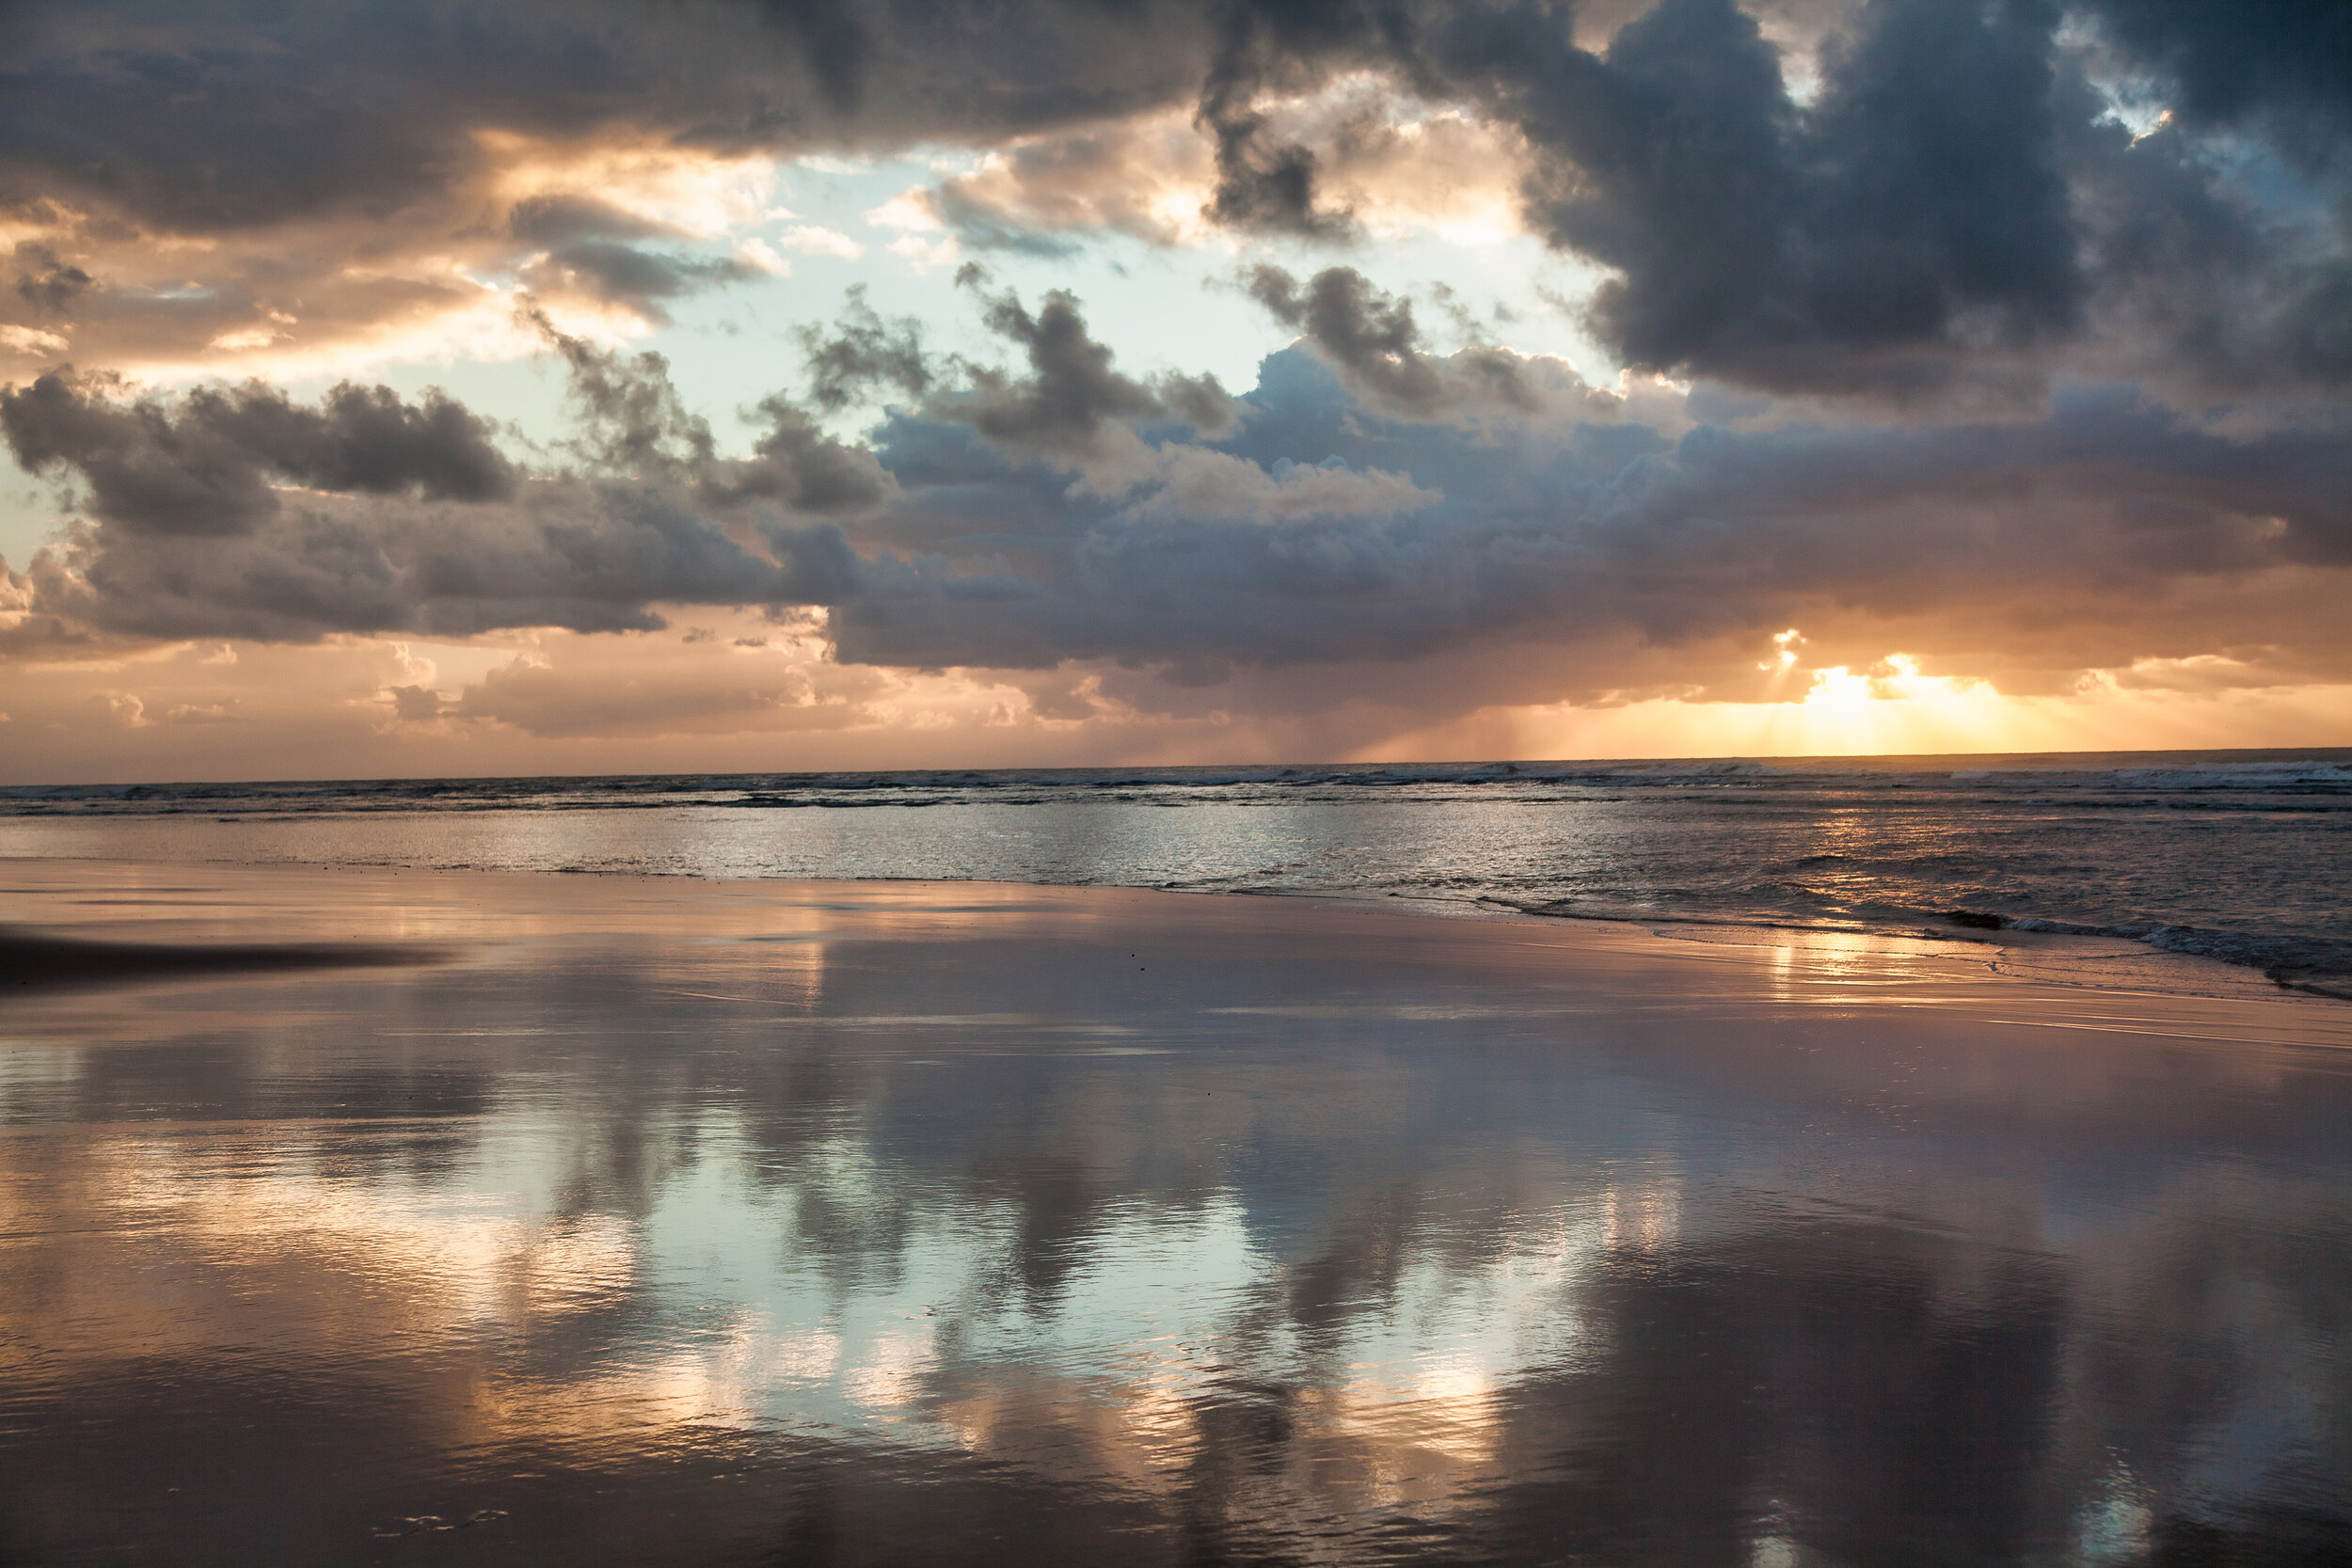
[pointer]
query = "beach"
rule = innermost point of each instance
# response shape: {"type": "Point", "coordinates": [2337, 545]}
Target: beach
{"type": "Point", "coordinates": [458, 1215]}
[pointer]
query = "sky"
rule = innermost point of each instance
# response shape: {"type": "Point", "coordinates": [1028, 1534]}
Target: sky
{"type": "Point", "coordinates": [462, 388]}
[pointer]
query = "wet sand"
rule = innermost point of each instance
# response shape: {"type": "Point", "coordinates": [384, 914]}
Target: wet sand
{"type": "Point", "coordinates": [612, 1219]}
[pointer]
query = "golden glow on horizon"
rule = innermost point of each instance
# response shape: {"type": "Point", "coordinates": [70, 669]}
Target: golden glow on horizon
{"type": "Point", "coordinates": [1894, 711]}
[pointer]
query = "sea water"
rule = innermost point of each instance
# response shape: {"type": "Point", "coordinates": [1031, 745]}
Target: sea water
{"type": "Point", "coordinates": [2241, 856]}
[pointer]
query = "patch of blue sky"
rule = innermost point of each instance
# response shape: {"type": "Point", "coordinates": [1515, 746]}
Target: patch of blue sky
{"type": "Point", "coordinates": [1158, 308]}
{"type": "Point", "coordinates": [29, 513]}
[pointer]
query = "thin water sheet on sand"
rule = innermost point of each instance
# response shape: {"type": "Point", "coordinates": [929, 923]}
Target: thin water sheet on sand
{"type": "Point", "coordinates": [607, 1219]}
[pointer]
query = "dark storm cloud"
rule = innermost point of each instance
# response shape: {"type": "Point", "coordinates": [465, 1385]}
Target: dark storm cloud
{"type": "Point", "coordinates": [1373, 340]}
{"type": "Point", "coordinates": [1065, 404]}
{"type": "Point", "coordinates": [2195, 283]}
{"type": "Point", "coordinates": [629, 416]}
{"type": "Point", "coordinates": [46, 283]}
{"type": "Point", "coordinates": [1272, 188]}
{"type": "Point", "coordinates": [632, 421]}
{"type": "Point", "coordinates": [838, 44]}
{"type": "Point", "coordinates": [1267, 190]}
{"type": "Point", "coordinates": [205, 467]}
{"type": "Point", "coordinates": [2278, 64]}
{"type": "Point", "coordinates": [1069, 393]}
{"type": "Point", "coordinates": [409, 519]}
{"type": "Point", "coordinates": [566, 219]}
{"type": "Point", "coordinates": [636, 277]}
{"type": "Point", "coordinates": [201, 119]}
{"type": "Point", "coordinates": [1917, 209]}
{"type": "Point", "coordinates": [587, 555]}
{"type": "Point", "coordinates": [1951, 210]}
{"type": "Point", "coordinates": [861, 352]}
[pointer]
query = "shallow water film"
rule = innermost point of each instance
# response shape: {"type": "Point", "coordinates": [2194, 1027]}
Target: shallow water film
{"type": "Point", "coordinates": [617, 1220]}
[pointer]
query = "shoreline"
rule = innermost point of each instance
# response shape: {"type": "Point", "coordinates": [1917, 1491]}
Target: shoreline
{"type": "Point", "coordinates": [2099, 960]}
{"type": "Point", "coordinates": [1953, 855]}
{"type": "Point", "coordinates": [2066, 960]}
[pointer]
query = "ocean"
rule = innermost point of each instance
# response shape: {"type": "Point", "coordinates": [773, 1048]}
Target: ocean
{"type": "Point", "coordinates": [2240, 856]}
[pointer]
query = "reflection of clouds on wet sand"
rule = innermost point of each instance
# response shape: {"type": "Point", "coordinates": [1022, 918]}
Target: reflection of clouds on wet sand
{"type": "Point", "coordinates": [1470, 1240]}
{"type": "Point", "coordinates": [253, 1247]}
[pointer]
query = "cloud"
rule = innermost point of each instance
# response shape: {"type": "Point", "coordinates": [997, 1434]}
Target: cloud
{"type": "Point", "coordinates": [2008, 337]}
{"type": "Point", "coordinates": [1373, 340]}
{"type": "Point", "coordinates": [2020, 551]}
{"type": "Point", "coordinates": [632, 277]}
{"type": "Point", "coordinates": [1391, 165]}
{"type": "Point", "coordinates": [2225, 65]}
{"type": "Point", "coordinates": [1571, 549]}
{"type": "Point", "coordinates": [567, 217]}
{"type": "Point", "coordinates": [226, 119]}
{"type": "Point", "coordinates": [205, 467]}
{"type": "Point", "coordinates": [1923, 204]}
{"type": "Point", "coordinates": [1149, 180]}
{"type": "Point", "coordinates": [683, 699]}
{"type": "Point", "coordinates": [166, 186]}
{"type": "Point", "coordinates": [1943, 216]}
{"type": "Point", "coordinates": [2197, 290]}
{"type": "Point", "coordinates": [31, 340]}
{"type": "Point", "coordinates": [632, 421]}
{"type": "Point", "coordinates": [1198, 482]}
{"type": "Point", "coordinates": [1917, 207]}
{"type": "Point", "coordinates": [1266, 183]}
{"type": "Point", "coordinates": [798, 468]}
{"type": "Point", "coordinates": [44, 283]}
{"type": "Point", "coordinates": [1917, 199]}
{"type": "Point", "coordinates": [609, 236]}
{"type": "Point", "coordinates": [809, 238]}
{"type": "Point", "coordinates": [563, 553]}
{"type": "Point", "coordinates": [405, 518]}
{"type": "Point", "coordinates": [860, 350]}
{"type": "Point", "coordinates": [703, 683]}
{"type": "Point", "coordinates": [1071, 407]}
{"type": "Point", "coordinates": [1070, 403]}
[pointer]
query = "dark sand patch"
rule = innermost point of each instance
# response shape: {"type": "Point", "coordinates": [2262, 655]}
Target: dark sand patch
{"type": "Point", "coordinates": [30, 960]}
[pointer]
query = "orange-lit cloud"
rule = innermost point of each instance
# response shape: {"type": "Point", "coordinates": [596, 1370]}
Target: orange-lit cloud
{"type": "Point", "coordinates": [337, 293]}
{"type": "Point", "coordinates": [1390, 164]}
